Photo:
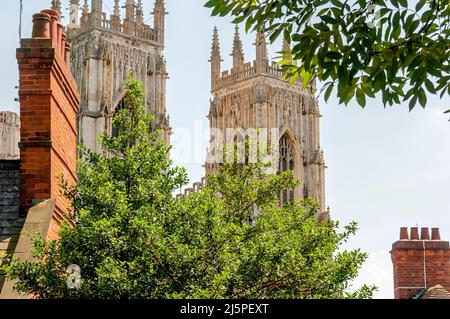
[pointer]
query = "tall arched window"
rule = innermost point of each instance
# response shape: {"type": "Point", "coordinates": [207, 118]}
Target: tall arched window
{"type": "Point", "coordinates": [287, 163]}
{"type": "Point", "coordinates": [115, 130]}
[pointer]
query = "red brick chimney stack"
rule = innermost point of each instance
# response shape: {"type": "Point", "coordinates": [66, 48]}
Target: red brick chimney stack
{"type": "Point", "coordinates": [420, 263]}
{"type": "Point", "coordinates": [48, 107]}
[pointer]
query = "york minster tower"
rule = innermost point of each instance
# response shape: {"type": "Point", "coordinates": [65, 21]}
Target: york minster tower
{"type": "Point", "coordinates": [254, 95]}
{"type": "Point", "coordinates": [104, 50]}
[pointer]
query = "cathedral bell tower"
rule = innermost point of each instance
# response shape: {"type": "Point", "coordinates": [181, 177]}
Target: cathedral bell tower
{"type": "Point", "coordinates": [104, 50]}
{"type": "Point", "coordinates": [253, 95]}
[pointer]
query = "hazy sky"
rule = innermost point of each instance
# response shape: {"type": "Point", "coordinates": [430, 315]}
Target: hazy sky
{"type": "Point", "coordinates": [387, 168]}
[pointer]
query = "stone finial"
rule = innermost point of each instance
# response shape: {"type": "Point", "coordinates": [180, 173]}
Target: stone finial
{"type": "Point", "coordinates": [129, 10]}
{"type": "Point", "coordinates": [84, 13]}
{"type": "Point", "coordinates": [215, 50]}
{"type": "Point", "coordinates": [97, 6]}
{"type": "Point", "coordinates": [262, 55]}
{"type": "Point", "coordinates": [74, 14]}
{"type": "Point", "coordinates": [116, 8]}
{"type": "Point", "coordinates": [238, 52]}
{"type": "Point", "coordinates": [215, 59]}
{"type": "Point", "coordinates": [159, 12]}
{"type": "Point", "coordinates": [159, 4]}
{"type": "Point", "coordinates": [286, 46]}
{"type": "Point", "coordinates": [56, 5]}
{"type": "Point", "coordinates": [139, 12]}
{"type": "Point", "coordinates": [286, 49]}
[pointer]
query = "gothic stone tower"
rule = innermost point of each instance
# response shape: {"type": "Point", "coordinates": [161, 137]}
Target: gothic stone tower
{"type": "Point", "coordinates": [254, 95]}
{"type": "Point", "coordinates": [104, 50]}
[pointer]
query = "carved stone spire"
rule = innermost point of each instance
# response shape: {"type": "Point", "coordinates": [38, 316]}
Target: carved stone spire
{"type": "Point", "coordinates": [97, 6]}
{"type": "Point", "coordinates": [85, 7]}
{"type": "Point", "coordinates": [115, 17]}
{"type": "Point", "coordinates": [116, 8]}
{"type": "Point", "coordinates": [96, 13]}
{"type": "Point", "coordinates": [286, 47]}
{"type": "Point", "coordinates": [74, 14]}
{"type": "Point", "coordinates": [129, 10]}
{"type": "Point", "coordinates": [56, 5]}
{"type": "Point", "coordinates": [84, 14]}
{"type": "Point", "coordinates": [139, 12]}
{"type": "Point", "coordinates": [238, 52]}
{"type": "Point", "coordinates": [215, 59]}
{"type": "Point", "coordinates": [128, 22]}
{"type": "Point", "coordinates": [215, 50]}
{"type": "Point", "coordinates": [261, 52]}
{"type": "Point", "coordinates": [159, 12]}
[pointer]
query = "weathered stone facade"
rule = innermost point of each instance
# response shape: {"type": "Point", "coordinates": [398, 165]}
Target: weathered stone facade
{"type": "Point", "coordinates": [254, 95]}
{"type": "Point", "coordinates": [9, 135]}
{"type": "Point", "coordinates": [104, 51]}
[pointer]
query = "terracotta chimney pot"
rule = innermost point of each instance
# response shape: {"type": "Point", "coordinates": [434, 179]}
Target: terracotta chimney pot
{"type": "Point", "coordinates": [404, 233]}
{"type": "Point", "coordinates": [41, 25]}
{"type": "Point", "coordinates": [425, 233]}
{"type": "Point", "coordinates": [53, 23]}
{"type": "Point", "coordinates": [414, 233]}
{"type": "Point", "coordinates": [435, 234]}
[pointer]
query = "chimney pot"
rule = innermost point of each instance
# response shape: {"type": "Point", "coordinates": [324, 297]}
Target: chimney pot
{"type": "Point", "coordinates": [41, 25]}
{"type": "Point", "coordinates": [435, 234]}
{"type": "Point", "coordinates": [414, 233]}
{"type": "Point", "coordinates": [53, 23]}
{"type": "Point", "coordinates": [425, 233]}
{"type": "Point", "coordinates": [59, 40]}
{"type": "Point", "coordinates": [63, 45]}
{"type": "Point", "coordinates": [404, 233]}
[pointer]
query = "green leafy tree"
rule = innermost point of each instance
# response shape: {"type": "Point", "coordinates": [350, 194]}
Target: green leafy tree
{"type": "Point", "coordinates": [397, 48]}
{"type": "Point", "coordinates": [132, 238]}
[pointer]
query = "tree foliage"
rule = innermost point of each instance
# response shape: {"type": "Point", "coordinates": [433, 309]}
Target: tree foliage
{"type": "Point", "coordinates": [133, 239]}
{"type": "Point", "coordinates": [357, 48]}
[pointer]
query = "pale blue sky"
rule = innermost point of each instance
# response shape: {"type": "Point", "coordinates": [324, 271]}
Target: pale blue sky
{"type": "Point", "coordinates": [387, 168]}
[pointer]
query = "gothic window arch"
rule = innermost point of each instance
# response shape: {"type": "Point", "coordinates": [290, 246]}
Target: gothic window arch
{"type": "Point", "coordinates": [286, 163]}
{"type": "Point", "coordinates": [115, 130]}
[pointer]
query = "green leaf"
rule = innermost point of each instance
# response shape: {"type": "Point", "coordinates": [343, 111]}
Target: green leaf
{"type": "Point", "coordinates": [412, 103]}
{"type": "Point", "coordinates": [361, 97]}
{"type": "Point", "coordinates": [328, 92]}
{"type": "Point", "coordinates": [211, 3]}
{"type": "Point", "coordinates": [403, 3]}
{"type": "Point", "coordinates": [333, 55]}
{"type": "Point", "coordinates": [328, 19]}
{"type": "Point", "coordinates": [420, 5]}
{"type": "Point", "coordinates": [422, 98]}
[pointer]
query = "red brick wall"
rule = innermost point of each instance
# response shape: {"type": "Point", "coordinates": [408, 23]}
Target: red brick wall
{"type": "Point", "coordinates": [420, 263]}
{"type": "Point", "coordinates": [48, 107]}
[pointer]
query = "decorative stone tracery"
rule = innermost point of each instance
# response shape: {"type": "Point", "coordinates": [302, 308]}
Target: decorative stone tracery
{"type": "Point", "coordinates": [104, 52]}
